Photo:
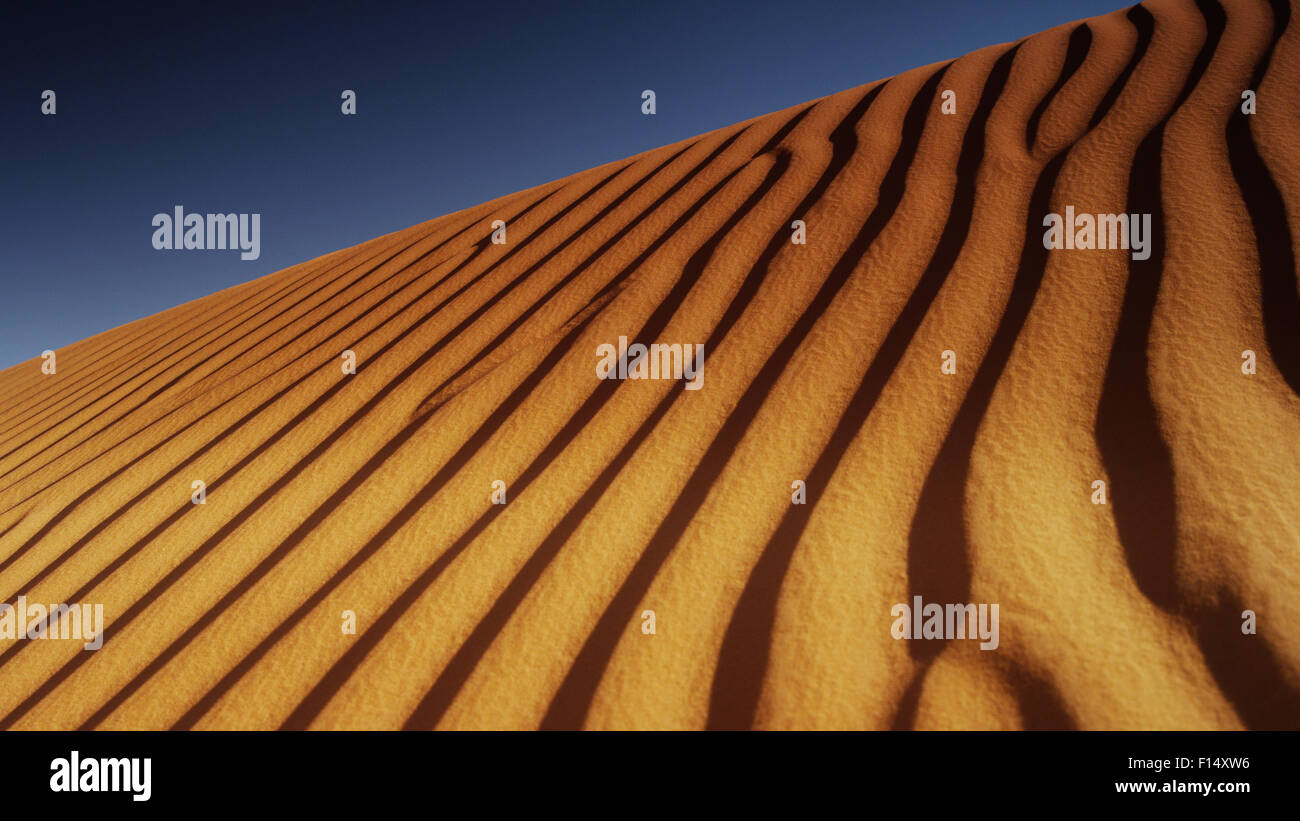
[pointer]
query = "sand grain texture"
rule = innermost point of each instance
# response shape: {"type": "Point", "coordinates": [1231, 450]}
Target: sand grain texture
{"type": "Point", "coordinates": [370, 492]}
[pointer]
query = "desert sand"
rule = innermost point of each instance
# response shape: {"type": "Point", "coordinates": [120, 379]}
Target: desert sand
{"type": "Point", "coordinates": [329, 493]}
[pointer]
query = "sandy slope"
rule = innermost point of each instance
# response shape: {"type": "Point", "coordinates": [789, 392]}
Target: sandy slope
{"type": "Point", "coordinates": [370, 492]}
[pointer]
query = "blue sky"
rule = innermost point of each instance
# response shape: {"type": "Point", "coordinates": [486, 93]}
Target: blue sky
{"type": "Point", "coordinates": [234, 107]}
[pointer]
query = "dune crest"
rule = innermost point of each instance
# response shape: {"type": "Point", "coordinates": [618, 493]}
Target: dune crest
{"type": "Point", "coordinates": [526, 509]}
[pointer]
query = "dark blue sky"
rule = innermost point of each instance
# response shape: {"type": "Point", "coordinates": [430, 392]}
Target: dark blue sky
{"type": "Point", "coordinates": [227, 107]}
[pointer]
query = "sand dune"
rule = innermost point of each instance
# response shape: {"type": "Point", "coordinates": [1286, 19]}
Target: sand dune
{"type": "Point", "coordinates": [372, 493]}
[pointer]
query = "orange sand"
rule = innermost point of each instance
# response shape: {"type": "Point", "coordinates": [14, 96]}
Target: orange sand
{"type": "Point", "coordinates": [371, 493]}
